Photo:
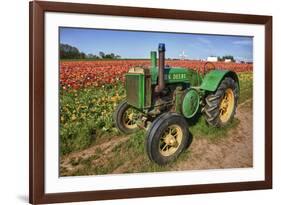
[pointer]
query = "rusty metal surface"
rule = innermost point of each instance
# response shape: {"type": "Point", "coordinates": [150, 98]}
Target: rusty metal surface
{"type": "Point", "coordinates": [161, 62]}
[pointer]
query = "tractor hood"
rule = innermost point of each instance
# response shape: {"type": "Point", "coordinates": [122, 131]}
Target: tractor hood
{"type": "Point", "coordinates": [175, 75]}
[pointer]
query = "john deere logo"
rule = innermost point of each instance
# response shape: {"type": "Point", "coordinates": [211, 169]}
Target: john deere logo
{"type": "Point", "coordinates": [175, 76]}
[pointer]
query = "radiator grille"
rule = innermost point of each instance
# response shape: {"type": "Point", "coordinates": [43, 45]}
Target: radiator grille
{"type": "Point", "coordinates": [133, 89]}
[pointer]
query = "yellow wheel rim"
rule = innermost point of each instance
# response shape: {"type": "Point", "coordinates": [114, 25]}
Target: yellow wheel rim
{"type": "Point", "coordinates": [170, 140]}
{"type": "Point", "coordinates": [227, 105]}
{"type": "Point", "coordinates": [130, 119]}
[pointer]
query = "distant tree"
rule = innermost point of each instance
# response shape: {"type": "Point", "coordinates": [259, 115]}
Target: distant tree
{"type": "Point", "coordinates": [230, 57]}
{"type": "Point", "coordinates": [70, 52]}
{"type": "Point", "coordinates": [90, 56]}
{"type": "Point", "coordinates": [109, 56]}
{"type": "Point", "coordinates": [101, 54]}
{"type": "Point", "coordinates": [82, 55]}
{"type": "Point", "coordinates": [112, 56]}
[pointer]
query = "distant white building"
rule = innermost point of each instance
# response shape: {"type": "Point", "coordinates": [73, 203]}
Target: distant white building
{"type": "Point", "coordinates": [212, 59]}
{"type": "Point", "coordinates": [227, 60]}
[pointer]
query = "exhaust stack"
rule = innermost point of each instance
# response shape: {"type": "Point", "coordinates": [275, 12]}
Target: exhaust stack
{"type": "Point", "coordinates": [161, 63]}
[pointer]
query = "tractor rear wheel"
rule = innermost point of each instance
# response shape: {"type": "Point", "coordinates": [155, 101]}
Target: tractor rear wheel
{"type": "Point", "coordinates": [167, 137]}
{"type": "Point", "coordinates": [125, 118]}
{"type": "Point", "coordinates": [221, 106]}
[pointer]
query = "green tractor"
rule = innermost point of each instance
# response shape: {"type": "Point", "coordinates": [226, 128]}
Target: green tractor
{"type": "Point", "coordinates": [163, 99]}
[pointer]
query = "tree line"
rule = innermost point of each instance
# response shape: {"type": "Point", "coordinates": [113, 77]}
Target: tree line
{"type": "Point", "coordinates": [71, 52]}
{"type": "Point", "coordinates": [223, 58]}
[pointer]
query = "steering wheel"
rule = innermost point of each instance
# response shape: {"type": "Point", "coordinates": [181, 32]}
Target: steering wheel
{"type": "Point", "coordinates": [205, 65]}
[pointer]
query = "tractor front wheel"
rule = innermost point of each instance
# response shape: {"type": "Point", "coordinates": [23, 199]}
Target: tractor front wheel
{"type": "Point", "coordinates": [125, 118]}
{"type": "Point", "coordinates": [167, 137]}
{"type": "Point", "coordinates": [221, 106]}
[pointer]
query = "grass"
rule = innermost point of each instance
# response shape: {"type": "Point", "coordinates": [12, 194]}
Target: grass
{"type": "Point", "coordinates": [201, 128]}
{"type": "Point", "coordinates": [86, 120]}
{"type": "Point", "coordinates": [86, 115]}
{"type": "Point", "coordinates": [246, 86]}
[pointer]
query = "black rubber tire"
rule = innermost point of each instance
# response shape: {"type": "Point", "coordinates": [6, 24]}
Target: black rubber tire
{"type": "Point", "coordinates": [118, 117]}
{"type": "Point", "coordinates": [155, 132]}
{"type": "Point", "coordinates": [213, 100]}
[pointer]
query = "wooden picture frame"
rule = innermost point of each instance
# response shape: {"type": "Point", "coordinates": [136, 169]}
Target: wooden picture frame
{"type": "Point", "coordinates": [37, 10]}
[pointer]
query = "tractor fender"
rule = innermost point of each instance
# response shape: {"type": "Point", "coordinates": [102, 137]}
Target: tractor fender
{"type": "Point", "coordinates": [212, 79]}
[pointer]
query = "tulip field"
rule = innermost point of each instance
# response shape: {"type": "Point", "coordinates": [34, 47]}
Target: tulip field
{"type": "Point", "coordinates": [80, 74]}
{"type": "Point", "coordinates": [89, 93]}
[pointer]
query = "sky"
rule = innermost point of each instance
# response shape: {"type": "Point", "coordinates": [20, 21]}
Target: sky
{"type": "Point", "coordinates": [138, 44]}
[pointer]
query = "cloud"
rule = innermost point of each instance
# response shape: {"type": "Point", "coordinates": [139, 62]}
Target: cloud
{"type": "Point", "coordinates": [204, 40]}
{"type": "Point", "coordinates": [243, 42]}
{"type": "Point", "coordinates": [205, 44]}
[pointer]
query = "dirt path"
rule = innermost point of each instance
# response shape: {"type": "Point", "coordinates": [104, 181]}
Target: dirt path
{"type": "Point", "coordinates": [231, 151]}
{"type": "Point", "coordinates": [72, 162]}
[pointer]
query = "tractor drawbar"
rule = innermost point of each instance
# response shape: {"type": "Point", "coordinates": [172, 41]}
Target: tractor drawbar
{"type": "Point", "coordinates": [161, 83]}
